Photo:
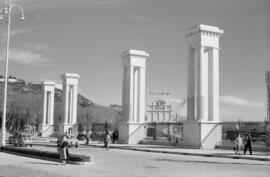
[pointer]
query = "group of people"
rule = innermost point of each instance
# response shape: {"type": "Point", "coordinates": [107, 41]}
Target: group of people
{"type": "Point", "coordinates": [238, 143]}
{"type": "Point", "coordinates": [110, 138]}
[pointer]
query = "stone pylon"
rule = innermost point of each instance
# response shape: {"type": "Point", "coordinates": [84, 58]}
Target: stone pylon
{"type": "Point", "coordinates": [202, 129]}
{"type": "Point", "coordinates": [69, 103]}
{"type": "Point", "coordinates": [47, 128]}
{"type": "Point", "coordinates": [133, 96]}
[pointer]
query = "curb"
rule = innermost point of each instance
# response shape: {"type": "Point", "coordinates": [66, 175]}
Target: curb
{"type": "Point", "coordinates": [187, 153]}
{"type": "Point", "coordinates": [45, 158]}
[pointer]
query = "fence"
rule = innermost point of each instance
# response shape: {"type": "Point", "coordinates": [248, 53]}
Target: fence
{"type": "Point", "coordinates": [163, 133]}
{"type": "Point", "coordinates": [172, 133]}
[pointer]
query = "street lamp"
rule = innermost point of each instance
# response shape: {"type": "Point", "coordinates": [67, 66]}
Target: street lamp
{"type": "Point", "coordinates": [6, 11]}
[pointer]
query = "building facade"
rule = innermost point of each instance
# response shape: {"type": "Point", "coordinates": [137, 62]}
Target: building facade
{"type": "Point", "coordinates": [267, 81]}
{"type": "Point", "coordinates": [158, 108]}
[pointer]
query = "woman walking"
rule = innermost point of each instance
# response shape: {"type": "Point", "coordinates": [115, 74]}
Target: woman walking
{"type": "Point", "coordinates": [238, 144]}
{"type": "Point", "coordinates": [107, 140]}
{"type": "Point", "coordinates": [63, 151]}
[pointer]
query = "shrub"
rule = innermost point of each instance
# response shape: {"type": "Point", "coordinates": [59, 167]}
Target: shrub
{"type": "Point", "coordinates": [53, 155]}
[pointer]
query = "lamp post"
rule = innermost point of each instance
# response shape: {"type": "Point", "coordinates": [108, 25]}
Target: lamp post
{"type": "Point", "coordinates": [6, 11]}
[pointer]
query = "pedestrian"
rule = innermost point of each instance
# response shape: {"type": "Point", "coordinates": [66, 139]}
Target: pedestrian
{"type": "Point", "coordinates": [248, 143]}
{"type": "Point", "coordinates": [107, 140]}
{"type": "Point", "coordinates": [113, 137]}
{"type": "Point", "coordinates": [63, 150]}
{"type": "Point", "coordinates": [87, 136]}
{"type": "Point", "coordinates": [238, 144]}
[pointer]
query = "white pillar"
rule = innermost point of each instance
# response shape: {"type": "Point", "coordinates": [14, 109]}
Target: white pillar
{"type": "Point", "coordinates": [133, 101]}
{"type": "Point", "coordinates": [215, 78]}
{"type": "Point", "coordinates": [125, 96]}
{"type": "Point", "coordinates": [202, 91]}
{"type": "Point", "coordinates": [65, 102]}
{"type": "Point", "coordinates": [141, 101]}
{"type": "Point", "coordinates": [46, 128]}
{"type": "Point", "coordinates": [75, 100]}
{"type": "Point", "coordinates": [44, 106]}
{"type": "Point", "coordinates": [135, 96]}
{"type": "Point", "coordinates": [70, 89]}
{"type": "Point", "coordinates": [203, 130]}
{"type": "Point", "coordinates": [131, 93]}
{"type": "Point", "coordinates": [191, 85]}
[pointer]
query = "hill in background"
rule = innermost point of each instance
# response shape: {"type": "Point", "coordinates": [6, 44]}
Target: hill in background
{"type": "Point", "coordinates": [25, 106]}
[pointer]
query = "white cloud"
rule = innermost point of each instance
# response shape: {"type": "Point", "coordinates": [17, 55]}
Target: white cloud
{"type": "Point", "coordinates": [3, 34]}
{"type": "Point", "coordinates": [240, 102]}
{"type": "Point", "coordinates": [28, 55]}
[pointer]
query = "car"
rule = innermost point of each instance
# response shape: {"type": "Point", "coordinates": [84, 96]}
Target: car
{"type": "Point", "coordinates": [72, 141]}
{"type": "Point", "coordinates": [11, 139]}
{"type": "Point", "coordinates": [23, 139]}
{"type": "Point", "coordinates": [81, 137]}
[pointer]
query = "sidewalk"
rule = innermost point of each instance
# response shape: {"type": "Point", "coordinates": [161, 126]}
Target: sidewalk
{"type": "Point", "coordinates": [261, 156]}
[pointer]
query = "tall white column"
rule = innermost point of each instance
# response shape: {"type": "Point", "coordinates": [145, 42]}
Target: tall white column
{"type": "Point", "coordinates": [133, 101]}
{"type": "Point", "coordinates": [75, 100]}
{"type": "Point", "coordinates": [70, 89]}
{"type": "Point", "coordinates": [215, 106]}
{"type": "Point", "coordinates": [131, 93]}
{"type": "Point", "coordinates": [48, 104]}
{"type": "Point", "coordinates": [141, 106]}
{"type": "Point", "coordinates": [65, 102]}
{"type": "Point", "coordinates": [191, 84]}
{"type": "Point", "coordinates": [202, 88]}
{"type": "Point", "coordinates": [46, 128]}
{"type": "Point", "coordinates": [203, 67]}
{"type": "Point", "coordinates": [70, 103]}
{"type": "Point", "coordinates": [44, 106]}
{"type": "Point", "coordinates": [135, 96]}
{"type": "Point", "coordinates": [125, 94]}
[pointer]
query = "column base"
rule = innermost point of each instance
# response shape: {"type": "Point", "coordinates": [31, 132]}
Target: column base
{"type": "Point", "coordinates": [46, 130]}
{"type": "Point", "coordinates": [131, 132]}
{"type": "Point", "coordinates": [201, 134]}
{"type": "Point", "coordinates": [67, 129]}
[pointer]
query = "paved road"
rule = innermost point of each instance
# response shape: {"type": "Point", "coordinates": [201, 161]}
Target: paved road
{"type": "Point", "coordinates": [123, 163]}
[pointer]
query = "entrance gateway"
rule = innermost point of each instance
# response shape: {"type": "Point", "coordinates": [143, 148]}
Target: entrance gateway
{"type": "Point", "coordinates": [201, 129]}
{"type": "Point", "coordinates": [68, 122]}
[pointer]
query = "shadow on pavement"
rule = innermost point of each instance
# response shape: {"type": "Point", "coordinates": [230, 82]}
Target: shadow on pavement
{"type": "Point", "coordinates": [242, 154]}
{"type": "Point", "coordinates": [200, 161]}
{"type": "Point", "coordinates": [43, 163]}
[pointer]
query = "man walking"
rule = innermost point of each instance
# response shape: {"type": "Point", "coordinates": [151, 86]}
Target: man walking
{"type": "Point", "coordinates": [248, 144]}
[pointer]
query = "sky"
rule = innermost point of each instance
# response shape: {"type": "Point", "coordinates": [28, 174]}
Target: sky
{"type": "Point", "coordinates": [88, 36]}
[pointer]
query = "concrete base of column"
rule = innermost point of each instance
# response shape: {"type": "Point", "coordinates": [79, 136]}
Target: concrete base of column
{"type": "Point", "coordinates": [131, 132]}
{"type": "Point", "coordinates": [67, 129]}
{"type": "Point", "coordinates": [201, 135]}
{"type": "Point", "coordinates": [46, 130]}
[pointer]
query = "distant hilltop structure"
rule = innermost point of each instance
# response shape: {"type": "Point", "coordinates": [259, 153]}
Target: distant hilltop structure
{"type": "Point", "coordinates": [267, 81]}
{"type": "Point", "coordinates": [11, 79]}
{"type": "Point", "coordinates": [162, 107]}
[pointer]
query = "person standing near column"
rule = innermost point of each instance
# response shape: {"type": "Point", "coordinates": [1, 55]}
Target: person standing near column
{"type": "Point", "coordinates": [107, 140]}
{"type": "Point", "coordinates": [248, 144]}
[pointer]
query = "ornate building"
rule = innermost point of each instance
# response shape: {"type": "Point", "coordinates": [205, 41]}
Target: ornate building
{"type": "Point", "coordinates": [162, 107]}
{"type": "Point", "coordinates": [267, 80]}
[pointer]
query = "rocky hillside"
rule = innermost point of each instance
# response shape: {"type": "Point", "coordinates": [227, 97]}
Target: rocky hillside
{"type": "Point", "coordinates": [25, 106]}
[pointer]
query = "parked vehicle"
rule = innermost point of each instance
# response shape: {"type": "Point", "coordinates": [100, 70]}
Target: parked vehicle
{"type": "Point", "coordinates": [72, 141]}
{"type": "Point", "coordinates": [23, 139]}
{"type": "Point", "coordinates": [11, 139]}
{"type": "Point", "coordinates": [81, 137]}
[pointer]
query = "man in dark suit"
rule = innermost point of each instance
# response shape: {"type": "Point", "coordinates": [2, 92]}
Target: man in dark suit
{"type": "Point", "coordinates": [248, 144]}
